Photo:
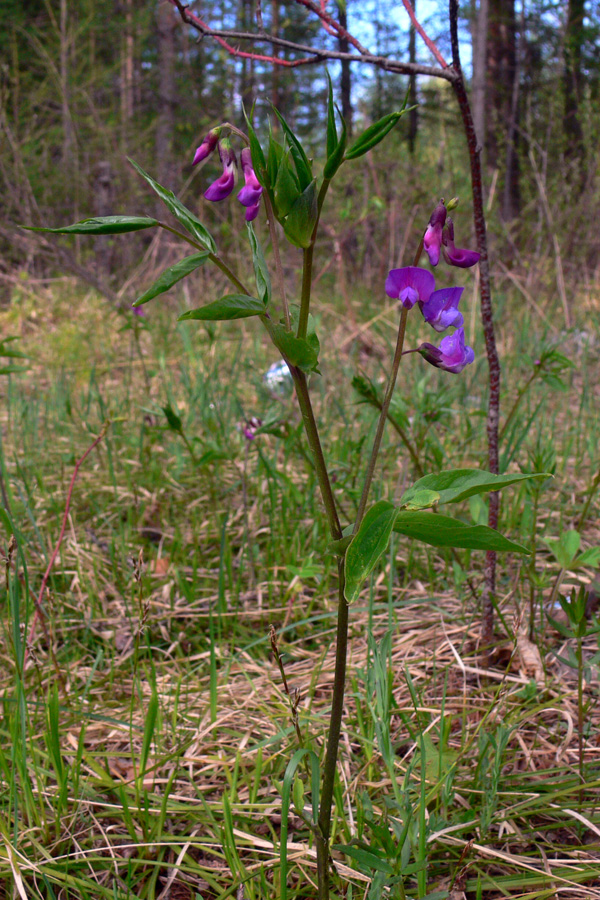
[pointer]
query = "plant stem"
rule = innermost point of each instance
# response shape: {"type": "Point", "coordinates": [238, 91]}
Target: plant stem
{"type": "Point", "coordinates": [314, 441]}
{"type": "Point", "coordinates": [308, 254]}
{"type": "Point", "coordinates": [277, 258]}
{"type": "Point", "coordinates": [382, 418]}
{"type": "Point", "coordinates": [212, 256]}
{"type": "Point", "coordinates": [333, 739]}
{"type": "Point", "coordinates": [487, 319]}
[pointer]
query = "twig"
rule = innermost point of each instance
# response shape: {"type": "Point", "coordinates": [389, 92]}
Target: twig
{"type": "Point", "coordinates": [39, 612]}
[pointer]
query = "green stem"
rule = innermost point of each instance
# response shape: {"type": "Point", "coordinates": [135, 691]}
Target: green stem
{"type": "Point", "coordinates": [314, 441]}
{"type": "Point", "coordinates": [592, 490]}
{"type": "Point", "coordinates": [382, 418]}
{"type": "Point", "coordinates": [414, 455]}
{"type": "Point", "coordinates": [333, 739]}
{"type": "Point", "coordinates": [277, 258]}
{"type": "Point", "coordinates": [307, 266]}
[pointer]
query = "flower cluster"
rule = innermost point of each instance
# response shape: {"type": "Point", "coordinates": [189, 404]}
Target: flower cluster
{"type": "Point", "coordinates": [439, 236]}
{"type": "Point", "coordinates": [411, 285]}
{"type": "Point", "coordinates": [250, 194]}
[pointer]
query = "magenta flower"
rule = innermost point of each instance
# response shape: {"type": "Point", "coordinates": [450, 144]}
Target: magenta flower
{"type": "Point", "coordinates": [441, 309]}
{"type": "Point", "coordinates": [223, 186]}
{"type": "Point", "coordinates": [252, 212]}
{"type": "Point", "coordinates": [207, 146]}
{"type": "Point", "coordinates": [464, 259]}
{"type": "Point", "coordinates": [249, 195]}
{"type": "Point", "coordinates": [452, 355]}
{"type": "Point", "coordinates": [251, 427]}
{"type": "Point", "coordinates": [432, 239]}
{"type": "Point", "coordinates": [138, 311]}
{"type": "Point", "coordinates": [410, 285]}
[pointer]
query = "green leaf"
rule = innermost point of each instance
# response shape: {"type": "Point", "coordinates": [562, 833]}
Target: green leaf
{"type": "Point", "coordinates": [444, 531]}
{"type": "Point", "coordinates": [332, 138]}
{"type": "Point", "coordinates": [232, 306]}
{"type": "Point", "coordinates": [261, 271]}
{"type": "Point", "coordinates": [286, 791]}
{"type": "Point", "coordinates": [564, 549]}
{"type": "Point", "coordinates": [183, 215]}
{"type": "Point", "coordinates": [365, 858]}
{"type": "Point", "coordinates": [301, 161]}
{"type": "Point", "coordinates": [286, 190]}
{"type": "Point", "coordinates": [589, 557]}
{"type": "Point", "coordinates": [374, 134]}
{"type": "Point", "coordinates": [102, 225]}
{"type": "Point", "coordinates": [300, 223]}
{"type": "Point", "coordinates": [367, 546]}
{"type": "Point", "coordinates": [335, 159]}
{"type": "Point", "coordinates": [275, 154]}
{"type": "Point", "coordinates": [172, 275]}
{"type": "Point", "coordinates": [259, 162]}
{"type": "Point", "coordinates": [457, 484]}
{"type": "Point", "coordinates": [173, 420]}
{"type": "Point", "coordinates": [296, 351]}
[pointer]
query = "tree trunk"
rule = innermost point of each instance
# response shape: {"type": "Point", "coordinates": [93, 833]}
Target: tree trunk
{"type": "Point", "coordinates": [413, 116]}
{"type": "Point", "coordinates": [479, 41]}
{"type": "Point", "coordinates": [573, 80]}
{"type": "Point", "coordinates": [345, 80]}
{"type": "Point", "coordinates": [501, 131]}
{"type": "Point", "coordinates": [165, 124]}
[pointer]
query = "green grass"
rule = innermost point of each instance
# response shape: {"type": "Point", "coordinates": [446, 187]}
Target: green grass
{"type": "Point", "coordinates": [143, 752]}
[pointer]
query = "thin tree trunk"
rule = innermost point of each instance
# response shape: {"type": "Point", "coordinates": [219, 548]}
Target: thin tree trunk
{"type": "Point", "coordinates": [480, 33]}
{"type": "Point", "coordinates": [573, 80]}
{"type": "Point", "coordinates": [345, 80]}
{"type": "Point", "coordinates": [413, 116]}
{"type": "Point", "coordinates": [165, 125]}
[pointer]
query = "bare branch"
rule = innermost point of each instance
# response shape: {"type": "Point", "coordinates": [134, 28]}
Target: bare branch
{"type": "Point", "coordinates": [227, 39]}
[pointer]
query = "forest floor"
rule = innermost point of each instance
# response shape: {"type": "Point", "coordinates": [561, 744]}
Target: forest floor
{"type": "Point", "coordinates": [145, 743]}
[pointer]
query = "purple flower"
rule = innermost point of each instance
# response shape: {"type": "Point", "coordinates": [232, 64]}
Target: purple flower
{"type": "Point", "coordinates": [432, 239]}
{"type": "Point", "coordinates": [441, 309]}
{"type": "Point", "coordinates": [207, 146]}
{"type": "Point", "coordinates": [452, 355]}
{"type": "Point", "coordinates": [252, 212]}
{"type": "Point", "coordinates": [251, 427]}
{"type": "Point", "coordinates": [250, 194]}
{"type": "Point", "coordinates": [464, 259]}
{"type": "Point", "coordinates": [409, 285]}
{"type": "Point", "coordinates": [223, 186]}
{"type": "Point", "coordinates": [138, 311]}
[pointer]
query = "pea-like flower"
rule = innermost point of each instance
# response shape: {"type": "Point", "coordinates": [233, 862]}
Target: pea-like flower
{"type": "Point", "coordinates": [452, 355]}
{"type": "Point", "coordinates": [432, 239]}
{"type": "Point", "coordinates": [249, 196]}
{"type": "Point", "coordinates": [441, 309]}
{"type": "Point", "coordinates": [409, 285]}
{"type": "Point", "coordinates": [223, 186]}
{"type": "Point", "coordinates": [207, 146]}
{"type": "Point", "coordinates": [464, 259]}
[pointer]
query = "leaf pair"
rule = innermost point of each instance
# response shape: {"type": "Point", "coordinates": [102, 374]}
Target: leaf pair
{"type": "Point", "coordinates": [372, 538]}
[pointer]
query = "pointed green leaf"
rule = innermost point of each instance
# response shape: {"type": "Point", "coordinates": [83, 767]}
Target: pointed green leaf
{"type": "Point", "coordinates": [336, 158]}
{"type": "Point", "coordinates": [444, 531]}
{"type": "Point", "coordinates": [183, 215]}
{"type": "Point", "coordinates": [275, 154]}
{"type": "Point", "coordinates": [259, 162]}
{"type": "Point", "coordinates": [589, 557]}
{"type": "Point", "coordinates": [173, 420]}
{"type": "Point", "coordinates": [367, 546]}
{"type": "Point", "coordinates": [301, 221]}
{"type": "Point", "coordinates": [102, 225]}
{"type": "Point", "coordinates": [286, 190]}
{"type": "Point", "coordinates": [366, 858]}
{"type": "Point", "coordinates": [261, 272]}
{"type": "Point", "coordinates": [232, 306]}
{"type": "Point", "coordinates": [564, 549]}
{"type": "Point", "coordinates": [332, 138]}
{"type": "Point", "coordinates": [457, 484]}
{"type": "Point", "coordinates": [301, 161]}
{"type": "Point", "coordinates": [374, 134]}
{"type": "Point", "coordinates": [296, 351]}
{"type": "Point", "coordinates": [172, 275]}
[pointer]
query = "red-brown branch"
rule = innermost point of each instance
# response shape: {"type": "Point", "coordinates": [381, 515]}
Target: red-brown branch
{"type": "Point", "coordinates": [39, 612]}
{"type": "Point", "coordinates": [419, 28]}
{"type": "Point", "coordinates": [227, 39]}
